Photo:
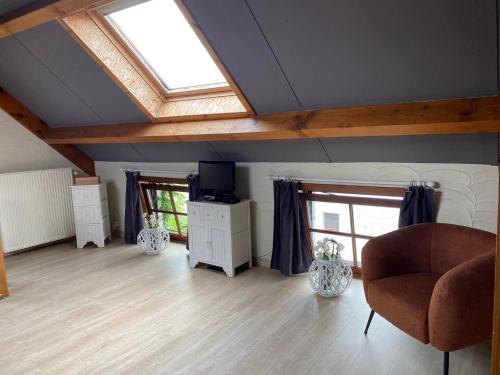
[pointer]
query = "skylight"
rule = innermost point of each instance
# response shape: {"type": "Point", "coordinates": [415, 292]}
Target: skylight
{"type": "Point", "coordinates": [160, 34]}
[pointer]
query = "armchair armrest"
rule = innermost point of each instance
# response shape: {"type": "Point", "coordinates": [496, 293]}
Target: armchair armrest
{"type": "Point", "coordinates": [403, 251]}
{"type": "Point", "coordinates": [461, 309]}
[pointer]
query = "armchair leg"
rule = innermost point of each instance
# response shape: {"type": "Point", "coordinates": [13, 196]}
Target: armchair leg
{"type": "Point", "coordinates": [369, 321]}
{"type": "Point", "coordinates": [446, 362]}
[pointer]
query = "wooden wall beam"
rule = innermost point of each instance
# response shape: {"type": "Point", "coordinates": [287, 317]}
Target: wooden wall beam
{"type": "Point", "coordinates": [477, 115]}
{"type": "Point", "coordinates": [44, 11]}
{"type": "Point", "coordinates": [495, 355]}
{"type": "Point", "coordinates": [31, 122]}
{"type": "Point", "coordinates": [4, 288]}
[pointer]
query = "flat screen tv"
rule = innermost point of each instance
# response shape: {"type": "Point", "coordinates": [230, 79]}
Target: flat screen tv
{"type": "Point", "coordinates": [217, 178]}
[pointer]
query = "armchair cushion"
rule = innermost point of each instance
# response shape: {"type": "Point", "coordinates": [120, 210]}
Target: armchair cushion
{"type": "Point", "coordinates": [404, 301]}
{"type": "Point", "coordinates": [403, 251]}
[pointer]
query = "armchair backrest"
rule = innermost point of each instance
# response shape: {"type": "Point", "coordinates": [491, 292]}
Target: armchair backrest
{"type": "Point", "coordinates": [452, 245]}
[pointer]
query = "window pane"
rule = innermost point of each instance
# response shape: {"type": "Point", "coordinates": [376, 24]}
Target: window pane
{"type": "Point", "coordinates": [160, 34]}
{"type": "Point", "coordinates": [360, 242]}
{"type": "Point", "coordinates": [183, 222]}
{"type": "Point", "coordinates": [163, 201]}
{"type": "Point", "coordinates": [169, 223]}
{"type": "Point", "coordinates": [330, 216]}
{"type": "Point", "coordinates": [346, 254]}
{"type": "Point", "coordinates": [374, 221]}
{"type": "Point", "coordinates": [180, 199]}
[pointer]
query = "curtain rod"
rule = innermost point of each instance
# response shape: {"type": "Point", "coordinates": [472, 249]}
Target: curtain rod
{"type": "Point", "coordinates": [431, 184]}
{"type": "Point", "coordinates": [184, 173]}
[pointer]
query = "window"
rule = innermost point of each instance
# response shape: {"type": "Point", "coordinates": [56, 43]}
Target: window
{"type": "Point", "coordinates": [163, 39]}
{"type": "Point", "coordinates": [166, 198]}
{"type": "Point", "coordinates": [332, 221]}
{"type": "Point", "coordinates": [350, 215]}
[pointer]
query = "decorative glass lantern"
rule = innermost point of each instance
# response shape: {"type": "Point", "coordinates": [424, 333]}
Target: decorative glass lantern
{"type": "Point", "coordinates": [153, 239]}
{"type": "Point", "coordinates": [329, 275]}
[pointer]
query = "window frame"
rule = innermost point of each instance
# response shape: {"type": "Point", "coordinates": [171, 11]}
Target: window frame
{"type": "Point", "coordinates": [147, 183]}
{"type": "Point", "coordinates": [308, 193]}
{"type": "Point", "coordinates": [146, 70]}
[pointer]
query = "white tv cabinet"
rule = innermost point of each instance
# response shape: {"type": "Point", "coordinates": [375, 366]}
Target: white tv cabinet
{"type": "Point", "coordinates": [219, 234]}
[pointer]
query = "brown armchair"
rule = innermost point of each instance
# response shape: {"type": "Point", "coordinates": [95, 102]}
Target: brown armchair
{"type": "Point", "coordinates": [433, 281]}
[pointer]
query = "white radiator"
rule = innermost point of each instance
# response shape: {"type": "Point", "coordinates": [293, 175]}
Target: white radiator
{"type": "Point", "coordinates": [35, 208]}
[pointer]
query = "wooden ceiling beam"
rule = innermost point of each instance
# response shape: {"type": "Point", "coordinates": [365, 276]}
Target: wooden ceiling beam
{"type": "Point", "coordinates": [477, 115]}
{"type": "Point", "coordinates": [31, 122]}
{"type": "Point", "coordinates": [42, 12]}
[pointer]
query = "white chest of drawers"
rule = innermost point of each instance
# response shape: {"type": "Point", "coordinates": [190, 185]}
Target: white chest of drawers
{"type": "Point", "coordinates": [219, 234]}
{"type": "Point", "coordinates": [90, 205]}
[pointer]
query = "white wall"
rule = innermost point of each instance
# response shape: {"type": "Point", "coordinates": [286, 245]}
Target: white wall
{"type": "Point", "coordinates": [22, 151]}
{"type": "Point", "coordinates": [468, 193]}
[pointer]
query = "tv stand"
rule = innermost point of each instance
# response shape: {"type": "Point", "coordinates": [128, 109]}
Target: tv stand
{"type": "Point", "coordinates": [219, 234]}
{"type": "Point", "coordinates": [227, 199]}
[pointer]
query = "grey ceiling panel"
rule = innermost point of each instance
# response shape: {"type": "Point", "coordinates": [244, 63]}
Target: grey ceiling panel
{"type": "Point", "coordinates": [233, 33]}
{"type": "Point", "coordinates": [354, 52]}
{"type": "Point", "coordinates": [57, 50]}
{"type": "Point", "coordinates": [52, 75]}
{"type": "Point", "coordinates": [112, 152]}
{"type": "Point", "coordinates": [42, 92]}
{"type": "Point", "coordinates": [7, 6]}
{"type": "Point", "coordinates": [176, 152]}
{"type": "Point", "coordinates": [298, 150]}
{"type": "Point", "coordinates": [459, 148]}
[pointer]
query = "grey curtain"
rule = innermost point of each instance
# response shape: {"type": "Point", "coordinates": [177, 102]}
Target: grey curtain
{"type": "Point", "coordinates": [417, 206]}
{"type": "Point", "coordinates": [134, 221]}
{"type": "Point", "coordinates": [290, 248]}
{"type": "Point", "coordinates": [194, 186]}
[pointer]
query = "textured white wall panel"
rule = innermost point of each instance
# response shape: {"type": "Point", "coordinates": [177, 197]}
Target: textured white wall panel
{"type": "Point", "coordinates": [467, 192]}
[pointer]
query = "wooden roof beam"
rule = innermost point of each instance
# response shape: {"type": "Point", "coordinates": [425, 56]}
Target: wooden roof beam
{"type": "Point", "coordinates": [43, 11]}
{"type": "Point", "coordinates": [477, 115]}
{"type": "Point", "coordinates": [31, 122]}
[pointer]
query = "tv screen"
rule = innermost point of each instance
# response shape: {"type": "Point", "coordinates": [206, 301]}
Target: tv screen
{"type": "Point", "coordinates": [217, 177]}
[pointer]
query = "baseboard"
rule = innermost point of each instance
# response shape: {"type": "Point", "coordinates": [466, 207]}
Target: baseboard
{"type": "Point", "coordinates": [41, 246]}
{"type": "Point", "coordinates": [262, 262]}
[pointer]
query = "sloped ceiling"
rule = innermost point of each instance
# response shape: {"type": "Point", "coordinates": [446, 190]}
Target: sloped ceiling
{"type": "Point", "coordinates": [56, 79]}
{"type": "Point", "coordinates": [286, 55]}
{"type": "Point", "coordinates": [299, 54]}
{"type": "Point", "coordinates": [466, 149]}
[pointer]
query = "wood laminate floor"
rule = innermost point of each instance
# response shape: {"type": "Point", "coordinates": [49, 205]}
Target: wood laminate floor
{"type": "Point", "coordinates": [115, 310]}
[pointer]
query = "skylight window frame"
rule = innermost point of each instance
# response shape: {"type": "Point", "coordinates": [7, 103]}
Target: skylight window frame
{"type": "Point", "coordinates": [92, 32]}
{"type": "Point", "coordinates": [141, 63]}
